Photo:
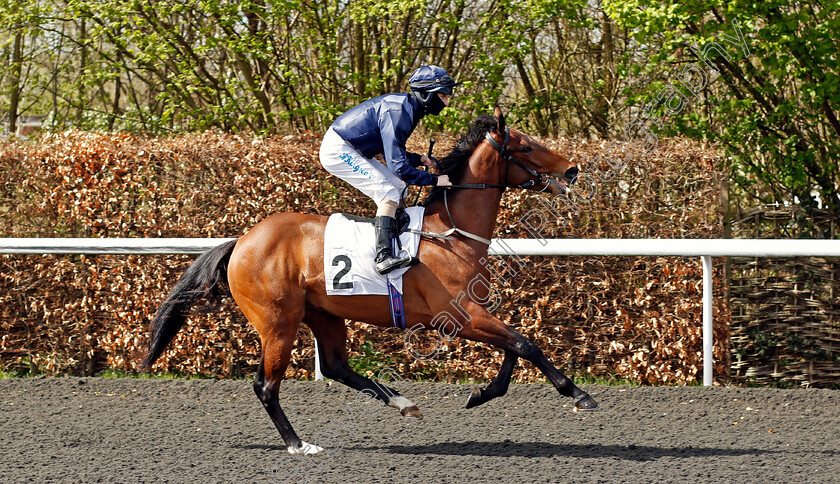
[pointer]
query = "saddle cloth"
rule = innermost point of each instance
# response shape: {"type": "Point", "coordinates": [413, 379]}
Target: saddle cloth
{"type": "Point", "coordinates": [349, 249]}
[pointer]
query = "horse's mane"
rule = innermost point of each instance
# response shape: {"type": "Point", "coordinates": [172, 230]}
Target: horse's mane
{"type": "Point", "coordinates": [453, 164]}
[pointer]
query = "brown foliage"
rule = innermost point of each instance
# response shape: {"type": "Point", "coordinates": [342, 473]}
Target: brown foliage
{"type": "Point", "coordinates": [636, 318]}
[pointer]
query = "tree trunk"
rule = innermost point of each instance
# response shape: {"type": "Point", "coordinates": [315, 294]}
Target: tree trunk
{"type": "Point", "coordinates": [82, 67]}
{"type": "Point", "coordinates": [15, 88]}
{"type": "Point", "coordinates": [532, 95]}
{"type": "Point", "coordinates": [359, 64]}
{"type": "Point", "coordinates": [600, 115]}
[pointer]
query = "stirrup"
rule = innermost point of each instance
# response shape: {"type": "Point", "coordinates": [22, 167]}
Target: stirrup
{"type": "Point", "coordinates": [385, 260]}
{"type": "Point", "coordinates": [392, 263]}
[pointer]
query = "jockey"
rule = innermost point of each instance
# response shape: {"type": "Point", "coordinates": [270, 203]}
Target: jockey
{"type": "Point", "coordinates": [382, 125]}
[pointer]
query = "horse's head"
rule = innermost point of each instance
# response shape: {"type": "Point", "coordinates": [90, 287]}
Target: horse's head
{"type": "Point", "coordinates": [528, 164]}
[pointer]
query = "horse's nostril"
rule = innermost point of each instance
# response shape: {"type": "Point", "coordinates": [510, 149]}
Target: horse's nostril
{"type": "Point", "coordinates": [572, 173]}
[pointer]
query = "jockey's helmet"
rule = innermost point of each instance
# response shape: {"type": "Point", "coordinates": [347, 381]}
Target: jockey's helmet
{"type": "Point", "coordinates": [432, 79]}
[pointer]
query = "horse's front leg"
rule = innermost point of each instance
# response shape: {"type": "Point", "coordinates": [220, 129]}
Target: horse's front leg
{"type": "Point", "coordinates": [486, 328]}
{"type": "Point", "coordinates": [531, 352]}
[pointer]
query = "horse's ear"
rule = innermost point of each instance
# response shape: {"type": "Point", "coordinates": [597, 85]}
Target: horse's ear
{"type": "Point", "coordinates": [497, 113]}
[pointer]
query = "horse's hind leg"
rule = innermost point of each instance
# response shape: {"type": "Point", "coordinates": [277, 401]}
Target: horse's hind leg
{"type": "Point", "coordinates": [331, 335]}
{"type": "Point", "coordinates": [277, 348]}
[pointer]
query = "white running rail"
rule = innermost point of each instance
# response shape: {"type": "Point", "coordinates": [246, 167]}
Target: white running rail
{"type": "Point", "coordinates": [703, 248]}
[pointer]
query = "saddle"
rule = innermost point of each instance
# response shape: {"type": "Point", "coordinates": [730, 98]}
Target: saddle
{"type": "Point", "coordinates": [402, 218]}
{"type": "Point", "coordinates": [349, 250]}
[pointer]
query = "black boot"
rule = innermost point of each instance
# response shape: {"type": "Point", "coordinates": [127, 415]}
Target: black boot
{"type": "Point", "coordinates": [385, 260]}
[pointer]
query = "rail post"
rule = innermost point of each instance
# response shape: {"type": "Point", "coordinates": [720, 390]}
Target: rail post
{"type": "Point", "coordinates": [708, 325]}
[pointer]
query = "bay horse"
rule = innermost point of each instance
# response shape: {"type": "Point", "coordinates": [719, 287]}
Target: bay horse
{"type": "Point", "coordinates": [275, 274]}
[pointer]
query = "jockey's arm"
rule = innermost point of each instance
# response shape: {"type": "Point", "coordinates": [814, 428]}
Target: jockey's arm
{"type": "Point", "coordinates": [395, 130]}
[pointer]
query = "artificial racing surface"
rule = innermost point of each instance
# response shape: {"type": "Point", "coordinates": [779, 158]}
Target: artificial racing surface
{"type": "Point", "coordinates": [135, 430]}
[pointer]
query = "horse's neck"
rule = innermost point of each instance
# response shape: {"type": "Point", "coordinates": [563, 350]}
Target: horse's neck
{"type": "Point", "coordinates": [475, 210]}
{"type": "Point", "coordinates": [472, 210]}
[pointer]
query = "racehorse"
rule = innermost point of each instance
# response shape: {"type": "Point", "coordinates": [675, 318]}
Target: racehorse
{"type": "Point", "coordinates": [275, 274]}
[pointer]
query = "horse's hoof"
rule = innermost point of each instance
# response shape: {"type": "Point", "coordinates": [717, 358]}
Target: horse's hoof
{"type": "Point", "coordinates": [475, 398]}
{"type": "Point", "coordinates": [412, 412]}
{"type": "Point", "coordinates": [306, 449]}
{"type": "Point", "coordinates": [586, 403]}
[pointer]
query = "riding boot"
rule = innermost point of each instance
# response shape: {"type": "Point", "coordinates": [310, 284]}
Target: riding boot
{"type": "Point", "coordinates": [385, 260]}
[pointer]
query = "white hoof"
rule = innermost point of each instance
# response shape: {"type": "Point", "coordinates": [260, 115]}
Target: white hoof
{"type": "Point", "coordinates": [400, 402]}
{"type": "Point", "coordinates": [306, 449]}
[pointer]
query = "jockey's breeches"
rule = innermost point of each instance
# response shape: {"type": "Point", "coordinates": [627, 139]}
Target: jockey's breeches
{"type": "Point", "coordinates": [368, 175]}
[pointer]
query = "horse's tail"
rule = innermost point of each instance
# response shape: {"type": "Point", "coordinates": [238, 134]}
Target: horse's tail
{"type": "Point", "coordinates": [206, 278]}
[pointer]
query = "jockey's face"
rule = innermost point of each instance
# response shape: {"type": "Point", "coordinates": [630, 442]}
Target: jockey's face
{"type": "Point", "coordinates": [444, 97]}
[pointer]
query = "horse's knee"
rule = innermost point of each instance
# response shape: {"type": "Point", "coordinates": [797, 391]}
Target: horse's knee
{"type": "Point", "coordinates": [259, 389]}
{"type": "Point", "coordinates": [261, 395]}
{"type": "Point", "coordinates": [265, 391]}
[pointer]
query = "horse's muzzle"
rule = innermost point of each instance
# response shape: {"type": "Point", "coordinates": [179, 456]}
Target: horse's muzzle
{"type": "Point", "coordinates": [556, 187]}
{"type": "Point", "coordinates": [561, 183]}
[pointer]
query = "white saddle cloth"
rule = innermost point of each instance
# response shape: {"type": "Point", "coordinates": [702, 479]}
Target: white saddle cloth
{"type": "Point", "coordinates": [349, 249]}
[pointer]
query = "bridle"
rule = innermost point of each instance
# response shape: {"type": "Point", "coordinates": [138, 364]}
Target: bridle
{"type": "Point", "coordinates": [508, 157]}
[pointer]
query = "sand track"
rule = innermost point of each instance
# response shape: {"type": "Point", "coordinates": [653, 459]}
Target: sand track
{"type": "Point", "coordinates": [130, 430]}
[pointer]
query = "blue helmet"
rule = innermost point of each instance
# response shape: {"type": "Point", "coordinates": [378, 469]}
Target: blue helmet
{"type": "Point", "coordinates": [432, 79]}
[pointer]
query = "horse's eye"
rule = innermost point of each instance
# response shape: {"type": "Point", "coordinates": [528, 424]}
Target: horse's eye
{"type": "Point", "coordinates": [526, 149]}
